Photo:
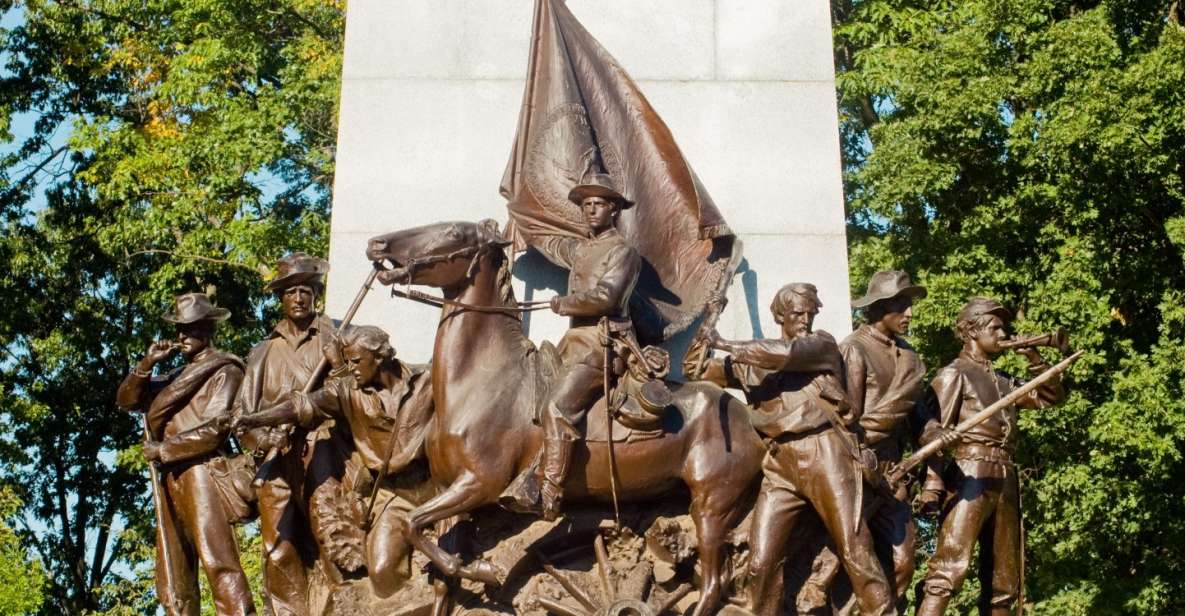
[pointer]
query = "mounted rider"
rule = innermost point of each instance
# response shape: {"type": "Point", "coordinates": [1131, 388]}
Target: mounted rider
{"type": "Point", "coordinates": [603, 271]}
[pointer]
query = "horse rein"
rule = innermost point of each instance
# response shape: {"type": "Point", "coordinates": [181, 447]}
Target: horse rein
{"type": "Point", "coordinates": [440, 302]}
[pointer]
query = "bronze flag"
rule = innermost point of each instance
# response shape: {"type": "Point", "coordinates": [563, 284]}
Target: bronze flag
{"type": "Point", "coordinates": [583, 114]}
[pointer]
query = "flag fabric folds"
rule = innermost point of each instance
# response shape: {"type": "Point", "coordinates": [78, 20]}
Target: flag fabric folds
{"type": "Point", "coordinates": [583, 114]}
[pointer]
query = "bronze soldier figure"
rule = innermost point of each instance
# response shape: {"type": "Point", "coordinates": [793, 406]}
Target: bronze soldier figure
{"type": "Point", "coordinates": [884, 383]}
{"type": "Point", "coordinates": [814, 461]}
{"type": "Point", "coordinates": [183, 411]}
{"type": "Point", "coordinates": [603, 272]}
{"type": "Point", "coordinates": [281, 364]}
{"type": "Point", "coordinates": [983, 492]}
{"type": "Point", "coordinates": [387, 404]}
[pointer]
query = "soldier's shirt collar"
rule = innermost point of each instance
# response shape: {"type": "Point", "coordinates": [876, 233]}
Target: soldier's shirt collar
{"type": "Point", "coordinates": [986, 364]}
{"type": "Point", "coordinates": [609, 233]}
{"type": "Point", "coordinates": [286, 330]}
{"type": "Point", "coordinates": [876, 335]}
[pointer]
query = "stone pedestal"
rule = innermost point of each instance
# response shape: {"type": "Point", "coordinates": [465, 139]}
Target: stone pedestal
{"type": "Point", "coordinates": [430, 99]}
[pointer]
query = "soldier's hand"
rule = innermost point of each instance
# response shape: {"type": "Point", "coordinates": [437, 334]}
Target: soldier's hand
{"type": "Point", "coordinates": [276, 439]}
{"type": "Point", "coordinates": [333, 352]}
{"type": "Point", "coordinates": [159, 351]}
{"type": "Point", "coordinates": [712, 338]}
{"type": "Point", "coordinates": [555, 304]}
{"type": "Point", "coordinates": [1031, 354]}
{"type": "Point", "coordinates": [151, 450]}
{"type": "Point", "coordinates": [948, 437]}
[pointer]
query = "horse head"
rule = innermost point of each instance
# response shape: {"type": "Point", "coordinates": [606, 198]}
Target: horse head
{"type": "Point", "coordinates": [442, 255]}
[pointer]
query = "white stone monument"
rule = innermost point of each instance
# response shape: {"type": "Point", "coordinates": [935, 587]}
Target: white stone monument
{"type": "Point", "coordinates": [430, 101]}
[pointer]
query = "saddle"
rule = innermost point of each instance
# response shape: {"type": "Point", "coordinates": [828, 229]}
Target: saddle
{"type": "Point", "coordinates": [640, 407]}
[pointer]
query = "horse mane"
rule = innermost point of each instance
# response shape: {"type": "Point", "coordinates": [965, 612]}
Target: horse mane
{"type": "Point", "coordinates": [503, 280]}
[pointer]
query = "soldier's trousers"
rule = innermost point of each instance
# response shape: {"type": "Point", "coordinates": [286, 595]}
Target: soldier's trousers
{"type": "Point", "coordinates": [894, 537]}
{"type": "Point", "coordinates": [985, 506]}
{"type": "Point", "coordinates": [284, 528]}
{"type": "Point", "coordinates": [195, 528]}
{"type": "Point", "coordinates": [814, 471]}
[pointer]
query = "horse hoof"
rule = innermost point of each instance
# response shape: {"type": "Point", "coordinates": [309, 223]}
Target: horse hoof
{"type": "Point", "coordinates": [627, 607]}
{"type": "Point", "coordinates": [485, 572]}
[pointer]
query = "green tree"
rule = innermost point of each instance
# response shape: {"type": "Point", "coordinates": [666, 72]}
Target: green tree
{"type": "Point", "coordinates": [1034, 150]}
{"type": "Point", "coordinates": [22, 580]}
{"type": "Point", "coordinates": [177, 145]}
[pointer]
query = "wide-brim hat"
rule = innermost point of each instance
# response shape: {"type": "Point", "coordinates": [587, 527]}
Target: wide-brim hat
{"type": "Point", "coordinates": [887, 285]}
{"type": "Point", "coordinates": [194, 307]}
{"type": "Point", "coordinates": [979, 306]}
{"type": "Point", "coordinates": [298, 268]}
{"type": "Point", "coordinates": [598, 185]}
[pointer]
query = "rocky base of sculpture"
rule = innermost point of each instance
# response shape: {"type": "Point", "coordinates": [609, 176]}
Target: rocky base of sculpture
{"type": "Point", "coordinates": [583, 564]}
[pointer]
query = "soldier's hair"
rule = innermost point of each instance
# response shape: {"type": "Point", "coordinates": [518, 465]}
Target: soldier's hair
{"type": "Point", "coordinates": [785, 298]}
{"type": "Point", "coordinates": [966, 329]}
{"type": "Point", "coordinates": [372, 339]}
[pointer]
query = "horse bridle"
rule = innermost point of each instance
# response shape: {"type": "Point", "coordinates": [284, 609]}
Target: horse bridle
{"type": "Point", "coordinates": [472, 252]}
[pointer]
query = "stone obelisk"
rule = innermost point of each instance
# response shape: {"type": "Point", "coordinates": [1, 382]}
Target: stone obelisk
{"type": "Point", "coordinates": [430, 99]}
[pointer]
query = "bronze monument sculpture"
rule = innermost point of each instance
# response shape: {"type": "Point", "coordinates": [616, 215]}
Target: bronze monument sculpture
{"type": "Point", "coordinates": [982, 487]}
{"type": "Point", "coordinates": [284, 362]}
{"type": "Point", "coordinates": [795, 389]}
{"type": "Point", "coordinates": [387, 405]}
{"type": "Point", "coordinates": [185, 441]}
{"type": "Point", "coordinates": [706, 440]}
{"type": "Point", "coordinates": [883, 377]}
{"type": "Point", "coordinates": [483, 481]}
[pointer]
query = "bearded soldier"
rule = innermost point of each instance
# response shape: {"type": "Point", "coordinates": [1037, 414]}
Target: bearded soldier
{"type": "Point", "coordinates": [983, 501]}
{"type": "Point", "coordinates": [281, 364]}
{"type": "Point", "coordinates": [814, 461]}
{"type": "Point", "coordinates": [183, 411]}
{"type": "Point", "coordinates": [603, 269]}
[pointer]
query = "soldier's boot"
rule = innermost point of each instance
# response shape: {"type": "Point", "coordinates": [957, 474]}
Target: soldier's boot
{"type": "Point", "coordinates": [558, 438]}
{"type": "Point", "coordinates": [932, 605]}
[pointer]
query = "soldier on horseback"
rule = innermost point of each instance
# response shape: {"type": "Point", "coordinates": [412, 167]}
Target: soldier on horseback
{"type": "Point", "coordinates": [603, 270]}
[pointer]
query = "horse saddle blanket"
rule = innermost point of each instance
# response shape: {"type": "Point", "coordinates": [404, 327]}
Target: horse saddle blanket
{"type": "Point", "coordinates": [596, 429]}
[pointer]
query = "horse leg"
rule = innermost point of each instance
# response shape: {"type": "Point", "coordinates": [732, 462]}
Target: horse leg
{"type": "Point", "coordinates": [711, 525]}
{"type": "Point", "coordinates": [463, 495]}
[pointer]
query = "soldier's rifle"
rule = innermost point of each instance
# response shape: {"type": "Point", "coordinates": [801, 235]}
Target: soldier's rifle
{"type": "Point", "coordinates": [158, 502]}
{"type": "Point", "coordinates": [716, 307]}
{"type": "Point", "coordinates": [264, 471]}
{"type": "Point", "coordinates": [895, 475]}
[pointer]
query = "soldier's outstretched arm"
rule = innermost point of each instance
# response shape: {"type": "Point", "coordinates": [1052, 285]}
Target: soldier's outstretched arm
{"type": "Point", "coordinates": [815, 352]}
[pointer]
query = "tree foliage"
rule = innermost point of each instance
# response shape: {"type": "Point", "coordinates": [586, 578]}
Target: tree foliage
{"type": "Point", "coordinates": [1034, 150]}
{"type": "Point", "coordinates": [175, 145]}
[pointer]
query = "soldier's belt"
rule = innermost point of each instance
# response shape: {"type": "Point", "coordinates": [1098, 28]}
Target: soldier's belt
{"type": "Point", "coordinates": [978, 452]}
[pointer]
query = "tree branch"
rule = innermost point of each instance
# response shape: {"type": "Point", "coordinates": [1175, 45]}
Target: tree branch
{"type": "Point", "coordinates": [159, 251]}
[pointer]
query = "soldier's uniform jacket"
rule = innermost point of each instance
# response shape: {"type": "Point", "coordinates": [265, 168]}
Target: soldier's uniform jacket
{"type": "Point", "coordinates": [883, 376]}
{"type": "Point", "coordinates": [280, 364]}
{"type": "Point", "coordinates": [183, 399]}
{"type": "Point", "coordinates": [968, 385]}
{"type": "Point", "coordinates": [602, 274]}
{"type": "Point", "coordinates": [788, 383]}
{"type": "Point", "coordinates": [375, 415]}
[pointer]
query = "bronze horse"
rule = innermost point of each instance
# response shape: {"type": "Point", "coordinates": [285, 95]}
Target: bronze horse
{"type": "Point", "coordinates": [484, 434]}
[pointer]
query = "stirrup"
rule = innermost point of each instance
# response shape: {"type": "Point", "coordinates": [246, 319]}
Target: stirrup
{"type": "Point", "coordinates": [523, 494]}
